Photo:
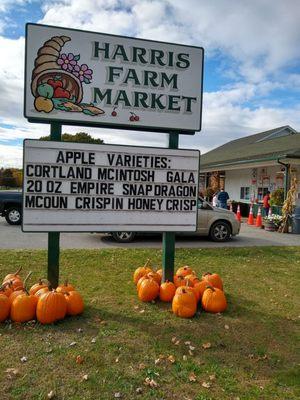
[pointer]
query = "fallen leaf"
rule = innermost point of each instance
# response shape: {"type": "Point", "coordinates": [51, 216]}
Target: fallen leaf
{"type": "Point", "coordinates": [187, 343]}
{"type": "Point", "coordinates": [206, 345]}
{"type": "Point", "coordinates": [93, 340]}
{"type": "Point", "coordinates": [142, 366]}
{"type": "Point", "coordinates": [142, 311]}
{"type": "Point", "coordinates": [151, 382]}
{"type": "Point", "coordinates": [23, 359]}
{"type": "Point", "coordinates": [139, 390]}
{"type": "Point", "coordinates": [103, 322]}
{"type": "Point", "coordinates": [51, 395]}
{"type": "Point", "coordinates": [118, 395]}
{"type": "Point", "coordinates": [212, 377]}
{"type": "Point", "coordinates": [191, 353]}
{"type": "Point", "coordinates": [192, 377]}
{"type": "Point", "coordinates": [136, 307]}
{"type": "Point", "coordinates": [117, 360]}
{"type": "Point", "coordinates": [184, 357]}
{"type": "Point", "coordinates": [192, 348]}
{"type": "Point", "coordinates": [174, 339]}
{"type": "Point", "coordinates": [177, 343]}
{"type": "Point", "coordinates": [206, 385]}
{"type": "Point", "coordinates": [13, 371]}
{"type": "Point", "coordinates": [72, 344]}
{"type": "Point", "coordinates": [226, 327]}
{"type": "Point", "coordinates": [80, 330]}
{"type": "Point", "coordinates": [171, 359]}
{"type": "Point", "coordinates": [85, 377]}
{"type": "Point", "coordinates": [79, 359]}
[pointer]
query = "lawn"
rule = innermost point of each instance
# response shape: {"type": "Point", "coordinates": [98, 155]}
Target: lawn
{"type": "Point", "coordinates": [133, 350]}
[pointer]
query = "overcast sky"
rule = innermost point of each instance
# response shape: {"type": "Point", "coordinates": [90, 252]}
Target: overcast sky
{"type": "Point", "coordinates": [251, 70]}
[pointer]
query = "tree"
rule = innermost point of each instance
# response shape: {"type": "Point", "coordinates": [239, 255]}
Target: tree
{"type": "Point", "coordinates": [79, 137]}
{"type": "Point", "coordinates": [7, 178]}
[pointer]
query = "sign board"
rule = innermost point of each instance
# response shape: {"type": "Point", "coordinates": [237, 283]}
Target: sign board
{"type": "Point", "coordinates": [86, 78]}
{"type": "Point", "coordinates": [80, 187]}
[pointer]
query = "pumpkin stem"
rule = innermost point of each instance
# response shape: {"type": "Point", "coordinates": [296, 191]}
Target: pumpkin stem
{"type": "Point", "coordinates": [147, 263]}
{"type": "Point", "coordinates": [207, 273]}
{"type": "Point", "coordinates": [25, 280]}
{"type": "Point", "coordinates": [18, 271]}
{"type": "Point", "coordinates": [210, 287]}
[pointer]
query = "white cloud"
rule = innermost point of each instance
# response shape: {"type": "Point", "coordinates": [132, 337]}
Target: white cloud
{"type": "Point", "coordinates": [11, 156]}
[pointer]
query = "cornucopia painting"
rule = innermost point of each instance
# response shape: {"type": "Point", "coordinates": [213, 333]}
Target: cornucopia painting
{"type": "Point", "coordinates": [58, 78]}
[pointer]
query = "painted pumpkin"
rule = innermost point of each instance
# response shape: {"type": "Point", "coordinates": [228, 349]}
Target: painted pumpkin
{"type": "Point", "coordinates": [141, 271]}
{"type": "Point", "coordinates": [75, 304]}
{"type": "Point", "coordinates": [214, 300]}
{"type": "Point", "coordinates": [67, 287]}
{"type": "Point", "coordinates": [186, 270]}
{"type": "Point", "coordinates": [23, 308]}
{"type": "Point", "coordinates": [51, 307]}
{"type": "Point", "coordinates": [167, 291]}
{"type": "Point", "coordinates": [4, 307]}
{"type": "Point", "coordinates": [184, 303]}
{"type": "Point", "coordinates": [37, 286]}
{"type": "Point", "coordinates": [213, 279]}
{"type": "Point", "coordinates": [149, 289]}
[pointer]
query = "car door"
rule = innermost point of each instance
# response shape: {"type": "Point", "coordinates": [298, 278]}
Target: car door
{"type": "Point", "coordinates": [202, 221]}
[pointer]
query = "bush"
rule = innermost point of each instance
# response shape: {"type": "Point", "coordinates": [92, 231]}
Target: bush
{"type": "Point", "coordinates": [277, 197]}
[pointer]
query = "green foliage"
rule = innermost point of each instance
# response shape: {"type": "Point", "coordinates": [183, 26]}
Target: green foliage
{"type": "Point", "coordinates": [277, 197]}
{"type": "Point", "coordinates": [10, 178]}
{"type": "Point", "coordinates": [79, 137]}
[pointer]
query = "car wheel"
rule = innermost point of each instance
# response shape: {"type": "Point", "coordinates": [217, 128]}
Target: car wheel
{"type": "Point", "coordinates": [13, 216]}
{"type": "Point", "coordinates": [123, 237]}
{"type": "Point", "coordinates": [220, 231]}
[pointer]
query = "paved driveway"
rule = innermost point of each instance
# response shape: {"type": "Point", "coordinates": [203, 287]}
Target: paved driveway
{"type": "Point", "coordinates": [11, 237]}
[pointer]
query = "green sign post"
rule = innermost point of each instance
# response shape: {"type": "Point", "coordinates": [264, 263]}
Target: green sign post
{"type": "Point", "coordinates": [53, 237]}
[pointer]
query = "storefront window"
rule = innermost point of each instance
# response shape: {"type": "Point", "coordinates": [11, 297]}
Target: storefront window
{"type": "Point", "coordinates": [245, 193]}
{"type": "Point", "coordinates": [261, 192]}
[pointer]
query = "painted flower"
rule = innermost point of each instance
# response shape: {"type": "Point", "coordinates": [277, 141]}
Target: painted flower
{"type": "Point", "coordinates": [68, 61]}
{"type": "Point", "coordinates": [83, 73]}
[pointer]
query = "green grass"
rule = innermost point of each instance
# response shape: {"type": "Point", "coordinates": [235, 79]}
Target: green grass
{"type": "Point", "coordinates": [256, 358]}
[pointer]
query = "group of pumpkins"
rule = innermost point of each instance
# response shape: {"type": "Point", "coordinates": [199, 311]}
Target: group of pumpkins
{"type": "Point", "coordinates": [185, 292]}
{"type": "Point", "coordinates": [40, 302]}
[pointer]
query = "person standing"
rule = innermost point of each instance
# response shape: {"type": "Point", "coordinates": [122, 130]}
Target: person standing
{"type": "Point", "coordinates": [222, 198]}
{"type": "Point", "coordinates": [266, 203]}
{"type": "Point", "coordinates": [215, 202]}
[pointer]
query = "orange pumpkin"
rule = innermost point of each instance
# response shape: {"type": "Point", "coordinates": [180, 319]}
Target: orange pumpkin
{"type": "Point", "coordinates": [160, 272]}
{"type": "Point", "coordinates": [15, 284]}
{"type": "Point", "coordinates": [6, 289]}
{"type": "Point", "coordinates": [141, 271]}
{"type": "Point", "coordinates": [199, 288]}
{"type": "Point", "coordinates": [4, 307]}
{"type": "Point", "coordinates": [213, 279]}
{"type": "Point", "coordinates": [15, 294]}
{"type": "Point", "coordinates": [149, 289]}
{"type": "Point", "coordinates": [155, 276]}
{"type": "Point", "coordinates": [51, 307]}
{"type": "Point", "coordinates": [184, 303]}
{"type": "Point", "coordinates": [42, 291]}
{"type": "Point", "coordinates": [193, 279]}
{"type": "Point", "coordinates": [184, 271]}
{"type": "Point", "coordinates": [23, 308]}
{"type": "Point", "coordinates": [180, 280]}
{"type": "Point", "coordinates": [37, 286]}
{"type": "Point", "coordinates": [167, 291]}
{"type": "Point", "coordinates": [214, 300]}
{"type": "Point", "coordinates": [67, 287]}
{"type": "Point", "coordinates": [75, 304]}
{"type": "Point", "coordinates": [10, 277]}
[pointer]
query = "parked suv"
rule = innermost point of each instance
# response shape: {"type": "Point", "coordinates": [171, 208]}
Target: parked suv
{"type": "Point", "coordinates": [217, 223]}
{"type": "Point", "coordinates": [11, 206]}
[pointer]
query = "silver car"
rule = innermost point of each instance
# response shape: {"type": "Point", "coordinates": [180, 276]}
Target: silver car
{"type": "Point", "coordinates": [217, 223]}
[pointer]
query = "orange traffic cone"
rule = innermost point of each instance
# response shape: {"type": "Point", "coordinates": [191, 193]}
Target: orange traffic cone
{"type": "Point", "coordinates": [238, 213]}
{"type": "Point", "coordinates": [250, 218]}
{"type": "Point", "coordinates": [258, 223]}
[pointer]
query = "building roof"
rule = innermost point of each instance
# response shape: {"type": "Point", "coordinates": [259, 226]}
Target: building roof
{"type": "Point", "coordinates": [280, 142]}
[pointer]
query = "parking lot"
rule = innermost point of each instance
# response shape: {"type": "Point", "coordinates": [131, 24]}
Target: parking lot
{"type": "Point", "coordinates": [11, 237]}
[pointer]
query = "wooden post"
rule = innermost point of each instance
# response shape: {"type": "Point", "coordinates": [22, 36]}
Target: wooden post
{"type": "Point", "coordinates": [168, 256]}
{"type": "Point", "coordinates": [53, 237]}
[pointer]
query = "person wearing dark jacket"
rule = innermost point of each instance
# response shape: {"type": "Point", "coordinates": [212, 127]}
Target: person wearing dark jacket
{"type": "Point", "coordinates": [222, 198]}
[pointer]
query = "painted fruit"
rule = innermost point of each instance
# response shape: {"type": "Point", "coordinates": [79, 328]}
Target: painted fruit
{"type": "Point", "coordinates": [45, 90]}
{"type": "Point", "coordinates": [60, 93]}
{"type": "Point", "coordinates": [55, 83]}
{"type": "Point", "coordinates": [43, 104]}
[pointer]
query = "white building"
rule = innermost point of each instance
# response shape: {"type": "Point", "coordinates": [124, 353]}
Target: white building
{"type": "Point", "coordinates": [248, 167]}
